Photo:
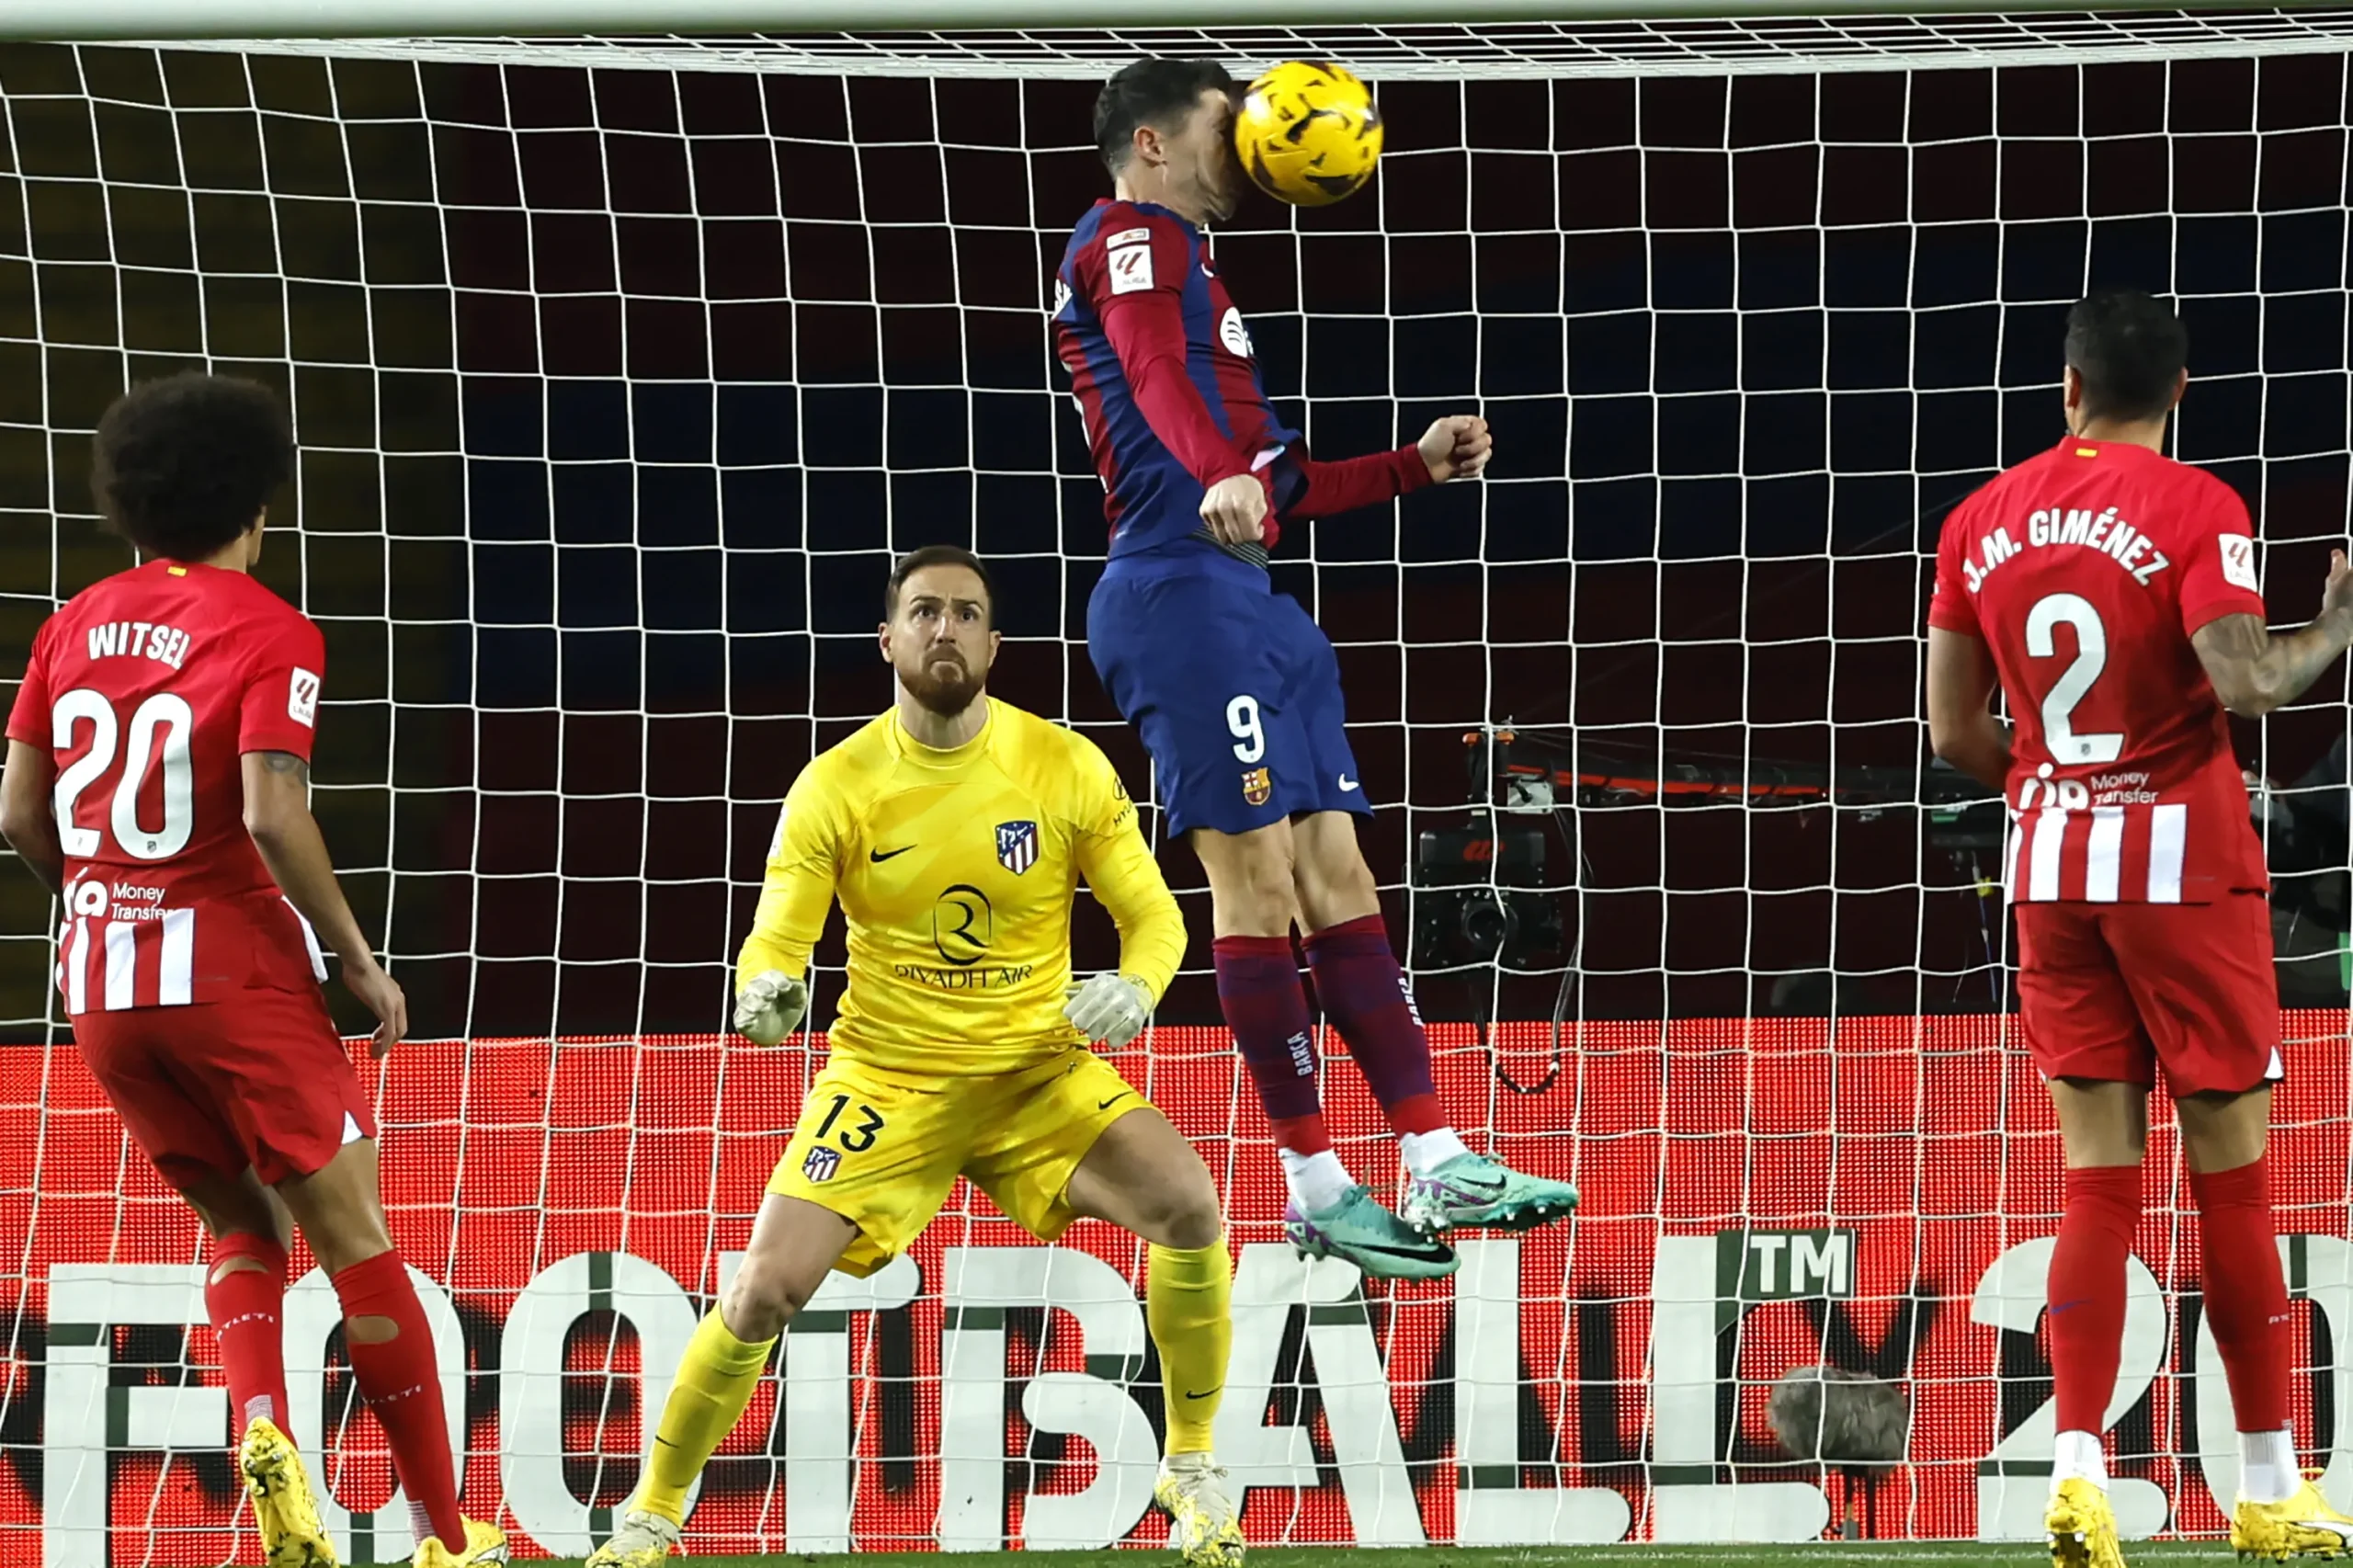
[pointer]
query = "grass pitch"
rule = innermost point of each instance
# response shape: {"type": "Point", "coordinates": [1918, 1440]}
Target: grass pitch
{"type": "Point", "coordinates": [1823, 1554]}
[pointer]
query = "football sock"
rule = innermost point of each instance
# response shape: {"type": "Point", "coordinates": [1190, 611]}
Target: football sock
{"type": "Point", "coordinates": [2087, 1293]}
{"type": "Point", "coordinates": [1189, 1305]}
{"type": "Point", "coordinates": [2246, 1300]}
{"type": "Point", "coordinates": [716, 1376]}
{"type": "Point", "coordinates": [385, 1334]}
{"type": "Point", "coordinates": [1424, 1151]}
{"type": "Point", "coordinates": [243, 1302]}
{"type": "Point", "coordinates": [2077, 1457]}
{"type": "Point", "coordinates": [1317, 1180]}
{"type": "Point", "coordinates": [1364, 993]}
{"type": "Point", "coordinates": [1266, 1006]}
{"type": "Point", "coordinates": [2267, 1471]}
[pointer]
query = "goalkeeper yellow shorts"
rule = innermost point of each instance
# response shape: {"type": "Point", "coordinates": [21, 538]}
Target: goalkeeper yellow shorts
{"type": "Point", "coordinates": [884, 1149]}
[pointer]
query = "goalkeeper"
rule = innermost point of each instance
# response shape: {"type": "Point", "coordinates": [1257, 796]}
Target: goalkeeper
{"type": "Point", "coordinates": [954, 829]}
{"type": "Point", "coordinates": [1236, 692]}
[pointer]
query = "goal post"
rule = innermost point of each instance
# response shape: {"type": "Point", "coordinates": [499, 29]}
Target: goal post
{"type": "Point", "coordinates": [622, 363]}
{"type": "Point", "coordinates": [260, 20]}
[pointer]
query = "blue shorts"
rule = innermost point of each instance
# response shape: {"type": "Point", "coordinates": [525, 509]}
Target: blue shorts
{"type": "Point", "coordinates": [1235, 691]}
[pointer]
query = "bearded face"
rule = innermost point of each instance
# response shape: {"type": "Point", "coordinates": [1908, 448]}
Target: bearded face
{"type": "Point", "coordinates": [939, 638]}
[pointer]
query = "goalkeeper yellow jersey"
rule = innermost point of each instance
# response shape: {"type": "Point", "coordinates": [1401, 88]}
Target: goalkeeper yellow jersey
{"type": "Point", "coordinates": [955, 871]}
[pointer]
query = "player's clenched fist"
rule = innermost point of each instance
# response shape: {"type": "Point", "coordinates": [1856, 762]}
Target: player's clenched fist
{"type": "Point", "coordinates": [1456, 447]}
{"type": "Point", "coordinates": [1109, 1009]}
{"type": "Point", "coordinates": [1235, 509]}
{"type": "Point", "coordinates": [770, 1007]}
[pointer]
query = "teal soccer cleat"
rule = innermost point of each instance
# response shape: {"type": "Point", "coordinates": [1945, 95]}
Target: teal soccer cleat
{"type": "Point", "coordinates": [1359, 1230]}
{"type": "Point", "coordinates": [1473, 1191]}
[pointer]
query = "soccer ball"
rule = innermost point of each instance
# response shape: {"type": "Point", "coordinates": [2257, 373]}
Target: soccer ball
{"type": "Point", "coordinates": [1308, 132]}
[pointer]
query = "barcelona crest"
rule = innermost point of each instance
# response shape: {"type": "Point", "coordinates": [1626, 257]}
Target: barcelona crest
{"type": "Point", "coordinates": [1017, 845]}
{"type": "Point", "coordinates": [1257, 786]}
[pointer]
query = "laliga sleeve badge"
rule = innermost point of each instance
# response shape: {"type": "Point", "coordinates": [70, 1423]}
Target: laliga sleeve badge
{"type": "Point", "coordinates": [1257, 786]}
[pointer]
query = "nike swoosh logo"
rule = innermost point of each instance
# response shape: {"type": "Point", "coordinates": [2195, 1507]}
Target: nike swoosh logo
{"type": "Point", "coordinates": [1190, 1394]}
{"type": "Point", "coordinates": [879, 855]}
{"type": "Point", "coordinates": [2062, 1306]}
{"type": "Point", "coordinates": [1106, 1104]}
{"type": "Point", "coordinates": [1347, 783]}
{"type": "Point", "coordinates": [1478, 1184]}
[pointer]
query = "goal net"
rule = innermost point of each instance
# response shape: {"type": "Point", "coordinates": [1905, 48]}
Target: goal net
{"type": "Point", "coordinates": [622, 367]}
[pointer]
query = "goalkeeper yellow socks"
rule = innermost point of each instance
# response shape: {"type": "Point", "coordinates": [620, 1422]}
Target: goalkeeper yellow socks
{"type": "Point", "coordinates": [716, 1376]}
{"type": "Point", "coordinates": [1189, 1298]}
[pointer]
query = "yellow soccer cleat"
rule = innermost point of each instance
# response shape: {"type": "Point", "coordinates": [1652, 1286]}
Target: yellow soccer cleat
{"type": "Point", "coordinates": [2082, 1527]}
{"type": "Point", "coordinates": [284, 1511]}
{"type": "Point", "coordinates": [485, 1543]}
{"type": "Point", "coordinates": [644, 1539]}
{"type": "Point", "coordinates": [1205, 1527]}
{"type": "Point", "coordinates": [2303, 1525]}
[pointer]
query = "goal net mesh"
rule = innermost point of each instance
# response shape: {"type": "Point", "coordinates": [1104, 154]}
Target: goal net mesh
{"type": "Point", "coordinates": [622, 367]}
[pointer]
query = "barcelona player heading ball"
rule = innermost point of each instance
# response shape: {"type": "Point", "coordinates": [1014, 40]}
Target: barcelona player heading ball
{"type": "Point", "coordinates": [1234, 689]}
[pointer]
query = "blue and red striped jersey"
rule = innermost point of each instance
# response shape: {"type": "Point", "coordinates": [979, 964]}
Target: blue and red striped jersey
{"type": "Point", "coordinates": [1164, 371]}
{"type": "Point", "coordinates": [1168, 384]}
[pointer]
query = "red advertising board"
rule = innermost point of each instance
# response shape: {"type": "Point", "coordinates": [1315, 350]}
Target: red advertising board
{"type": "Point", "coordinates": [1758, 1195]}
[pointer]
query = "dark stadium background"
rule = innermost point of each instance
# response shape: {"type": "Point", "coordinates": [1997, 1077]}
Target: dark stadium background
{"type": "Point", "coordinates": [652, 586]}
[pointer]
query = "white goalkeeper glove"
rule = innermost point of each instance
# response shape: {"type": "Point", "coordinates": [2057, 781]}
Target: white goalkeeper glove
{"type": "Point", "coordinates": [768, 1010]}
{"type": "Point", "coordinates": [1109, 1009]}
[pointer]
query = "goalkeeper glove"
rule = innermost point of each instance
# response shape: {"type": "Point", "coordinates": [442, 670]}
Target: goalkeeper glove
{"type": "Point", "coordinates": [768, 1010]}
{"type": "Point", "coordinates": [1109, 1009]}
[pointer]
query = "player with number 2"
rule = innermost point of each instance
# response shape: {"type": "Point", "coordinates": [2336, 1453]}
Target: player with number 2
{"type": "Point", "coordinates": [158, 781]}
{"type": "Point", "coordinates": [2110, 594]}
{"type": "Point", "coordinates": [1234, 689]}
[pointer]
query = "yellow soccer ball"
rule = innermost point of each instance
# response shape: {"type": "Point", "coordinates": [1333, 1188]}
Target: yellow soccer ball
{"type": "Point", "coordinates": [1308, 132]}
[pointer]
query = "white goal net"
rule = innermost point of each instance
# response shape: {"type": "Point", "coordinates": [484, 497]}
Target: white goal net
{"type": "Point", "coordinates": [622, 367]}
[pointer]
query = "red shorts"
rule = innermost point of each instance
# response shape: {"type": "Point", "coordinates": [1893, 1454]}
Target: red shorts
{"type": "Point", "coordinates": [2114, 991]}
{"type": "Point", "coordinates": [207, 1090]}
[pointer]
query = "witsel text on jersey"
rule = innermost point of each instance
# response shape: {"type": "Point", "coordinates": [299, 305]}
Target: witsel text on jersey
{"type": "Point", "coordinates": [130, 639]}
{"type": "Point", "coordinates": [2103, 531]}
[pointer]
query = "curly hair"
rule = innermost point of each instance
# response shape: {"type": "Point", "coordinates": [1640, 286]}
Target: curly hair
{"type": "Point", "coordinates": [181, 466]}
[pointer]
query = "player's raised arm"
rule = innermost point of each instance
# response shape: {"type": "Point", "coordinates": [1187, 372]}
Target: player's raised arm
{"type": "Point", "coordinates": [2255, 672]}
{"type": "Point", "coordinates": [804, 865]}
{"type": "Point", "coordinates": [1456, 447]}
{"type": "Point", "coordinates": [1111, 1009]}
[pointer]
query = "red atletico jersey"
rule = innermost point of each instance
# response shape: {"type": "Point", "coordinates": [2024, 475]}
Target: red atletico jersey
{"type": "Point", "coordinates": [146, 689]}
{"type": "Point", "coordinates": [2085, 571]}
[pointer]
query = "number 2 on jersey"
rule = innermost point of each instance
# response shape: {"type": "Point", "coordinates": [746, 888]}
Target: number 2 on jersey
{"type": "Point", "coordinates": [2076, 681]}
{"type": "Point", "coordinates": [159, 728]}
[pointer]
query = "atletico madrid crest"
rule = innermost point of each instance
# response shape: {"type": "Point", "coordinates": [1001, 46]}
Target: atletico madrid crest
{"type": "Point", "coordinates": [1257, 786]}
{"type": "Point", "coordinates": [821, 1164]}
{"type": "Point", "coordinates": [1017, 845]}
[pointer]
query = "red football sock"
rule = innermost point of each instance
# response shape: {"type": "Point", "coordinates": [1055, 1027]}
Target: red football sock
{"type": "Point", "coordinates": [2087, 1292]}
{"type": "Point", "coordinates": [2247, 1297]}
{"type": "Point", "coordinates": [1266, 1006]}
{"type": "Point", "coordinates": [1364, 991]}
{"type": "Point", "coordinates": [402, 1385]}
{"type": "Point", "coordinates": [245, 1305]}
